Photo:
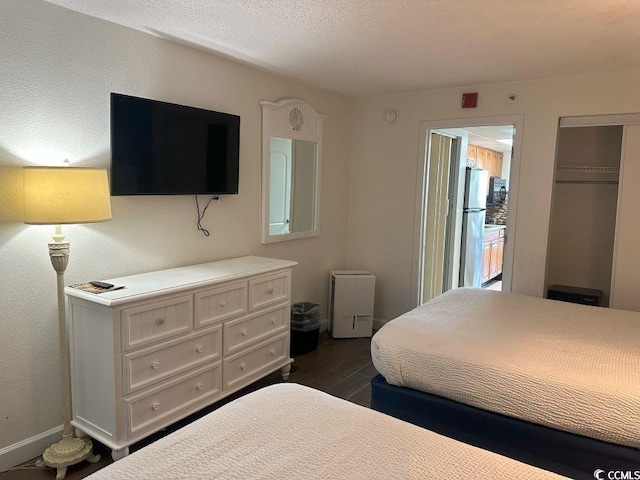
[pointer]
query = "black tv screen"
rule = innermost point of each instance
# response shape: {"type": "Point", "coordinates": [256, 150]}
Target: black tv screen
{"type": "Point", "coordinates": [160, 148]}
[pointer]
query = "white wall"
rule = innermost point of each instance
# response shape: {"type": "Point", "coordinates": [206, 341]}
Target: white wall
{"type": "Point", "coordinates": [383, 170]}
{"type": "Point", "coordinates": [57, 68]}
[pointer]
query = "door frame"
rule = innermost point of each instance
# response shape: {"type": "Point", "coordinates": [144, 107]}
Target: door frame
{"type": "Point", "coordinates": [626, 120]}
{"type": "Point", "coordinates": [426, 128]}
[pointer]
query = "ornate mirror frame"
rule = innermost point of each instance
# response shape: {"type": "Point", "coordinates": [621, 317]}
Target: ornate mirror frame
{"type": "Point", "coordinates": [290, 119]}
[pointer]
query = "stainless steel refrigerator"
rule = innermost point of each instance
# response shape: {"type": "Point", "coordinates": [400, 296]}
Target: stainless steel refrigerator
{"type": "Point", "coordinates": [473, 215]}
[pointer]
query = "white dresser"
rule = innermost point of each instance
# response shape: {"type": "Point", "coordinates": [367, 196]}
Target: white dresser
{"type": "Point", "coordinates": [174, 341]}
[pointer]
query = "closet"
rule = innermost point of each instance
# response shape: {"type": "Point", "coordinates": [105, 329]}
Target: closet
{"type": "Point", "coordinates": [594, 229]}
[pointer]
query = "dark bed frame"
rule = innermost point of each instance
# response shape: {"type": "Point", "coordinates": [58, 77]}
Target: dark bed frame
{"type": "Point", "coordinates": [561, 452]}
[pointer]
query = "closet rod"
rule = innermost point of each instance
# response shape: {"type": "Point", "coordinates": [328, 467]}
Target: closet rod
{"type": "Point", "coordinates": [592, 182]}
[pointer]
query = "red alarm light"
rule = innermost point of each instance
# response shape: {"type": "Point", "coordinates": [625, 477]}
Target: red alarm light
{"type": "Point", "coordinates": [470, 100]}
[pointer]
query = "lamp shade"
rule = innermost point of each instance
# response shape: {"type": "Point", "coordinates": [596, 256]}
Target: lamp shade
{"type": "Point", "coordinates": [61, 195]}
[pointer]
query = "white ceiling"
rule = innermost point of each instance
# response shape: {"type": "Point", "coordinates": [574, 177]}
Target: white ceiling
{"type": "Point", "coordinates": [363, 47]}
{"type": "Point", "coordinates": [489, 136]}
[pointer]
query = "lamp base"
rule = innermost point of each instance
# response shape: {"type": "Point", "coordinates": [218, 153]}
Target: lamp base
{"type": "Point", "coordinates": [68, 451]}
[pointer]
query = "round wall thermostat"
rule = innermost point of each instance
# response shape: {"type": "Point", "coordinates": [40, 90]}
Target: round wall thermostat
{"type": "Point", "coordinates": [391, 115]}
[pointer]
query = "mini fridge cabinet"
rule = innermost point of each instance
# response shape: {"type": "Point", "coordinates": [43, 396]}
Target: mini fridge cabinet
{"type": "Point", "coordinates": [351, 296]}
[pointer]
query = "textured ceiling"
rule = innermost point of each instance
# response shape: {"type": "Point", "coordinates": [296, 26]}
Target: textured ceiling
{"type": "Point", "coordinates": [362, 47]}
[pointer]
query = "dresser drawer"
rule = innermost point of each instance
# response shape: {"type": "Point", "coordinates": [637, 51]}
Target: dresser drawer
{"type": "Point", "coordinates": [155, 321]}
{"type": "Point", "coordinates": [164, 404]}
{"type": "Point", "coordinates": [242, 368]}
{"type": "Point", "coordinates": [244, 331]}
{"type": "Point", "coordinates": [150, 365]}
{"type": "Point", "coordinates": [268, 290]}
{"type": "Point", "coordinates": [219, 304]}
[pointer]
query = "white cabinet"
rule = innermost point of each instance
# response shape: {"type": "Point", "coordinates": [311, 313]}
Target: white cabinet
{"type": "Point", "coordinates": [174, 341]}
{"type": "Point", "coordinates": [351, 298]}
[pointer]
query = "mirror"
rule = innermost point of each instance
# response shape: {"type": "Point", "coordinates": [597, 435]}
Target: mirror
{"type": "Point", "coordinates": [291, 147]}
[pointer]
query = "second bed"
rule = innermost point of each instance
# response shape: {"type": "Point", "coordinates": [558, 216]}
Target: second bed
{"type": "Point", "coordinates": [544, 364]}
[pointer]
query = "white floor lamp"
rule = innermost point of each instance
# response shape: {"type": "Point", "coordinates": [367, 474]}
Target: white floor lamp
{"type": "Point", "coordinates": [55, 196]}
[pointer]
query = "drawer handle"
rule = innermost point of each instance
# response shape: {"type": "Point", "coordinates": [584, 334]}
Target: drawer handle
{"type": "Point", "coordinates": [199, 349]}
{"type": "Point", "coordinates": [223, 304]}
{"type": "Point", "coordinates": [272, 352]}
{"type": "Point", "coordinates": [243, 366]}
{"type": "Point", "coordinates": [159, 321]}
{"type": "Point", "coordinates": [200, 386]}
{"type": "Point", "coordinates": [273, 321]}
{"type": "Point", "coordinates": [269, 290]}
{"type": "Point", "coordinates": [155, 365]}
{"type": "Point", "coordinates": [155, 406]}
{"type": "Point", "coordinates": [245, 332]}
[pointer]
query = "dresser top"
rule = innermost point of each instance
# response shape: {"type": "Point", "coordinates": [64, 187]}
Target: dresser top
{"type": "Point", "coordinates": [175, 280]}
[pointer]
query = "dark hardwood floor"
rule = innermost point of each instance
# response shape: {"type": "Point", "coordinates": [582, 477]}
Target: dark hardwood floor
{"type": "Point", "coordinates": [340, 367]}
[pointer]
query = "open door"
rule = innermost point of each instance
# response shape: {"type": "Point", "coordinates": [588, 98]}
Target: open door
{"type": "Point", "coordinates": [448, 150]}
{"type": "Point", "coordinates": [442, 150]}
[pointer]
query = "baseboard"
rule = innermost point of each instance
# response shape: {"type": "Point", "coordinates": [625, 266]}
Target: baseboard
{"type": "Point", "coordinates": [27, 449]}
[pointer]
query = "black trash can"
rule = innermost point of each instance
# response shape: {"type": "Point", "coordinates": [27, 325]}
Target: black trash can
{"type": "Point", "coordinates": [305, 327]}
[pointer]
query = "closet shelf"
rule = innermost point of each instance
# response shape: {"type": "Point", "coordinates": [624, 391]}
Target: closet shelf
{"type": "Point", "coordinates": [589, 169]}
{"type": "Point", "coordinates": [587, 174]}
{"type": "Point", "coordinates": [591, 182]}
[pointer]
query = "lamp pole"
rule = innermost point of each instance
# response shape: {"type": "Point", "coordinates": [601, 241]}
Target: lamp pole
{"type": "Point", "coordinates": [70, 450]}
{"type": "Point", "coordinates": [59, 254]}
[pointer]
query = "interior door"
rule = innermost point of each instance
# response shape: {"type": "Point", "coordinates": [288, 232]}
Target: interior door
{"type": "Point", "coordinates": [440, 151]}
{"type": "Point", "coordinates": [625, 281]}
{"type": "Point", "coordinates": [280, 186]}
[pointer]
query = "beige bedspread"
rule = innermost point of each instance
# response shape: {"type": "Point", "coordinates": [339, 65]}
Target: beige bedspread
{"type": "Point", "coordinates": [571, 367]}
{"type": "Point", "coordinates": [291, 432]}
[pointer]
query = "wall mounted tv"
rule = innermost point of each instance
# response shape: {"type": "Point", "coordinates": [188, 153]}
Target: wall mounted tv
{"type": "Point", "coordinates": [160, 148]}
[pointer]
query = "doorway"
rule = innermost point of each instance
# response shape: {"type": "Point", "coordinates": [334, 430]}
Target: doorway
{"type": "Point", "coordinates": [459, 242]}
{"type": "Point", "coordinates": [594, 208]}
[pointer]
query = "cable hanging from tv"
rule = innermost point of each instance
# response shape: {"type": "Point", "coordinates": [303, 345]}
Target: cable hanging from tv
{"type": "Point", "coordinates": [204, 231]}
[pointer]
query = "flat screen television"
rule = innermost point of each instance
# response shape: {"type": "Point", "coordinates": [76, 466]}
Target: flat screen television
{"type": "Point", "coordinates": [160, 148]}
